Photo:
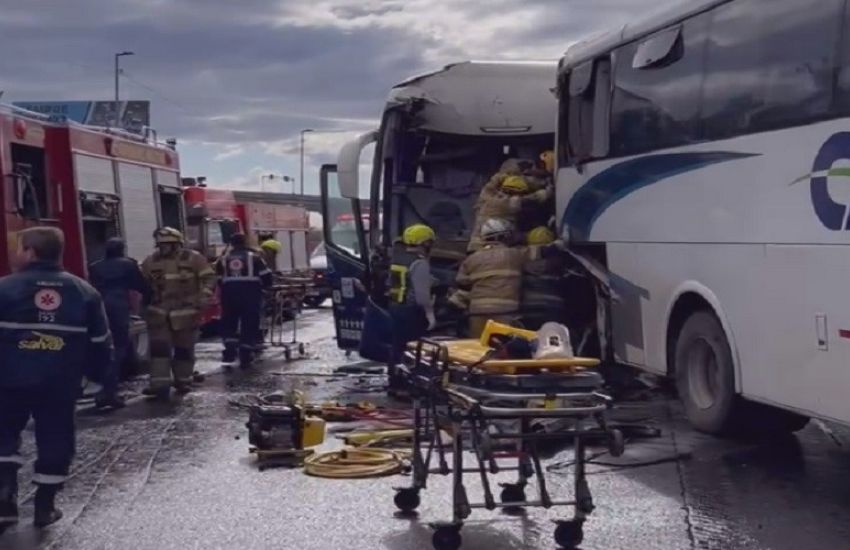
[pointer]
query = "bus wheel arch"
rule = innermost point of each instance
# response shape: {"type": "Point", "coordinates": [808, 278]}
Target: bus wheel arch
{"type": "Point", "coordinates": [702, 360]}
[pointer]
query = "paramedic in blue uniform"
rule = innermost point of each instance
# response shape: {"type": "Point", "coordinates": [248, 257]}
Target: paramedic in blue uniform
{"type": "Point", "coordinates": [243, 274]}
{"type": "Point", "coordinates": [115, 277]}
{"type": "Point", "coordinates": [53, 331]}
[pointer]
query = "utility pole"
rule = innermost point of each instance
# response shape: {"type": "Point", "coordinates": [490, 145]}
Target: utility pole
{"type": "Point", "coordinates": [301, 179]}
{"type": "Point", "coordinates": [116, 121]}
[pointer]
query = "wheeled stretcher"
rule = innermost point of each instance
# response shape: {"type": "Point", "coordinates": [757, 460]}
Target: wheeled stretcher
{"type": "Point", "coordinates": [495, 408]}
{"type": "Point", "coordinates": [283, 303]}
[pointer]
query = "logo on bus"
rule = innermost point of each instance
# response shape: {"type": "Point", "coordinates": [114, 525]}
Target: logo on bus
{"type": "Point", "coordinates": [832, 214]}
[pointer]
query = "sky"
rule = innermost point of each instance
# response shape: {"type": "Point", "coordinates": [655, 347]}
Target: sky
{"type": "Point", "coordinates": [235, 81]}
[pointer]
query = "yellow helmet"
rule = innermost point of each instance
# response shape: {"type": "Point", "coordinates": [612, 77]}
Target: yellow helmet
{"type": "Point", "coordinates": [165, 235]}
{"type": "Point", "coordinates": [271, 244]}
{"type": "Point", "coordinates": [548, 160]}
{"type": "Point", "coordinates": [418, 234]}
{"type": "Point", "coordinates": [515, 184]}
{"type": "Point", "coordinates": [540, 235]}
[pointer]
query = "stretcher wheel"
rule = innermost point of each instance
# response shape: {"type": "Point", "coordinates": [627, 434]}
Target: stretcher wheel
{"type": "Point", "coordinates": [616, 443]}
{"type": "Point", "coordinates": [407, 500]}
{"type": "Point", "coordinates": [569, 534]}
{"type": "Point", "coordinates": [447, 538]}
{"type": "Point", "coordinates": [287, 354]}
{"type": "Point", "coordinates": [301, 350]}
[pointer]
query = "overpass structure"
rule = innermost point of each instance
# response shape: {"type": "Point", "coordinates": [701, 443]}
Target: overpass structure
{"type": "Point", "coordinates": [312, 203]}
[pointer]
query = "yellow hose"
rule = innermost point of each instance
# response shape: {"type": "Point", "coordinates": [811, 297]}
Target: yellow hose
{"type": "Point", "coordinates": [355, 463]}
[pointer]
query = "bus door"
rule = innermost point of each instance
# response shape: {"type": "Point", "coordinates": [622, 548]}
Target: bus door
{"type": "Point", "coordinates": [347, 257]}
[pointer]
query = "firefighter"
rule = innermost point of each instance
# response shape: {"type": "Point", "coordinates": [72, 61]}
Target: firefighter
{"type": "Point", "coordinates": [182, 283]}
{"type": "Point", "coordinates": [243, 274]}
{"type": "Point", "coordinates": [490, 279]}
{"type": "Point", "coordinates": [543, 284]}
{"type": "Point", "coordinates": [271, 248]}
{"type": "Point", "coordinates": [411, 306]}
{"type": "Point", "coordinates": [53, 331]}
{"type": "Point", "coordinates": [507, 195]}
{"type": "Point", "coordinates": [115, 277]}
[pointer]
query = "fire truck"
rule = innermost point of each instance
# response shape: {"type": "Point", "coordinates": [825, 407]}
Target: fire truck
{"type": "Point", "coordinates": [93, 183]}
{"type": "Point", "coordinates": [214, 215]}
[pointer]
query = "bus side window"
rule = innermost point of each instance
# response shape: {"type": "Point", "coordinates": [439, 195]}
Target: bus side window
{"type": "Point", "coordinates": [588, 111]}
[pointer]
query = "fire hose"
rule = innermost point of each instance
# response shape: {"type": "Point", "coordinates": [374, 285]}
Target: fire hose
{"type": "Point", "coordinates": [356, 463]}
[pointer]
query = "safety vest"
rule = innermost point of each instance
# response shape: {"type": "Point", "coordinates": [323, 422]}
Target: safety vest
{"type": "Point", "coordinates": [400, 289]}
{"type": "Point", "coordinates": [242, 266]}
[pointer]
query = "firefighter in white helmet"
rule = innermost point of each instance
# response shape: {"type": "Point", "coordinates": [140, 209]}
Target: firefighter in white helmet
{"type": "Point", "coordinates": [490, 279]}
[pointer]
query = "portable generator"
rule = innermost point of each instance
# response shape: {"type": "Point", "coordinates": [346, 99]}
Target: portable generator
{"type": "Point", "coordinates": [280, 434]}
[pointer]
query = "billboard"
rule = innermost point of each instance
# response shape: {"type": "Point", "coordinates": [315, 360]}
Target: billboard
{"type": "Point", "coordinates": [132, 115]}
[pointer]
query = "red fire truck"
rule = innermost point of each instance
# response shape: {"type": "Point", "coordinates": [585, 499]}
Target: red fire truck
{"type": "Point", "coordinates": [92, 183]}
{"type": "Point", "coordinates": [213, 215]}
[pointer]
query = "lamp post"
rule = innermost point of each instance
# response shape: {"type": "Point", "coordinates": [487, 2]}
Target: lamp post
{"type": "Point", "coordinates": [301, 178]}
{"type": "Point", "coordinates": [117, 72]}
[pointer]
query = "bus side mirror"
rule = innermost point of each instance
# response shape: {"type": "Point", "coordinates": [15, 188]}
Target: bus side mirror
{"type": "Point", "coordinates": [348, 165]}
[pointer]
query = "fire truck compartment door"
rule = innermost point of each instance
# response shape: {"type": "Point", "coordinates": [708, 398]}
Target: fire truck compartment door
{"type": "Point", "coordinates": [138, 209]}
{"type": "Point", "coordinates": [94, 174]}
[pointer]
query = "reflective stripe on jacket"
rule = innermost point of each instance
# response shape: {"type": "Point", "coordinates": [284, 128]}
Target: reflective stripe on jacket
{"type": "Point", "coordinates": [244, 266]}
{"type": "Point", "coordinates": [52, 325]}
{"type": "Point", "coordinates": [493, 277]}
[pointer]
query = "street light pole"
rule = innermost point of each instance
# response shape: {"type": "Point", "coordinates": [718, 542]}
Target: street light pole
{"type": "Point", "coordinates": [301, 178]}
{"type": "Point", "coordinates": [118, 72]}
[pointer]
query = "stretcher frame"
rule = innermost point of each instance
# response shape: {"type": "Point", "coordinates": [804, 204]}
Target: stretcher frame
{"type": "Point", "coordinates": [449, 399]}
{"type": "Point", "coordinates": [284, 297]}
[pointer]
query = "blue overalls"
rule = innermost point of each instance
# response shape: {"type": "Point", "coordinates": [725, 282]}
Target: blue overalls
{"type": "Point", "coordinates": [53, 331]}
{"type": "Point", "coordinates": [243, 274]}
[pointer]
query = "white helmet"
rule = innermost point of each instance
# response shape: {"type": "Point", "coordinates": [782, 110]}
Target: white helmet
{"type": "Point", "coordinates": [496, 228]}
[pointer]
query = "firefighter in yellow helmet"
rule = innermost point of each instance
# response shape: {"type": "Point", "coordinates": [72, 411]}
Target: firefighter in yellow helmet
{"type": "Point", "coordinates": [490, 279]}
{"type": "Point", "coordinates": [511, 191]}
{"type": "Point", "coordinates": [271, 248]}
{"type": "Point", "coordinates": [543, 293]}
{"type": "Point", "coordinates": [411, 308]}
{"type": "Point", "coordinates": [182, 284]}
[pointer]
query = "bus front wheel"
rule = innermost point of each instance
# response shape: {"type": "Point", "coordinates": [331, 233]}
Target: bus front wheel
{"type": "Point", "coordinates": [705, 374]}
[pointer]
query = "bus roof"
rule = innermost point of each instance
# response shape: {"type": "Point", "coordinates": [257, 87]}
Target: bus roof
{"type": "Point", "coordinates": [590, 48]}
{"type": "Point", "coordinates": [483, 98]}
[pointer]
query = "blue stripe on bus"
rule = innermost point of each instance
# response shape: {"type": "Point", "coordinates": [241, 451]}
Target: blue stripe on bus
{"type": "Point", "coordinates": [609, 186]}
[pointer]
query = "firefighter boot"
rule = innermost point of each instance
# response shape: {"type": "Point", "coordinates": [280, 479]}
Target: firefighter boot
{"type": "Point", "coordinates": [45, 505]}
{"type": "Point", "coordinates": [246, 357]}
{"type": "Point", "coordinates": [8, 495]}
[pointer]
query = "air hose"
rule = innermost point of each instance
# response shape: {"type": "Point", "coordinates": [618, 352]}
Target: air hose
{"type": "Point", "coordinates": [355, 464]}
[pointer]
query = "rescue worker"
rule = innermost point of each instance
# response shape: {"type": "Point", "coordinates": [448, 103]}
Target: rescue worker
{"type": "Point", "coordinates": [543, 284]}
{"type": "Point", "coordinates": [115, 276]}
{"type": "Point", "coordinates": [271, 248]}
{"type": "Point", "coordinates": [243, 274]}
{"type": "Point", "coordinates": [53, 331]}
{"type": "Point", "coordinates": [506, 195]}
{"type": "Point", "coordinates": [490, 279]}
{"type": "Point", "coordinates": [182, 283]}
{"type": "Point", "coordinates": [411, 305]}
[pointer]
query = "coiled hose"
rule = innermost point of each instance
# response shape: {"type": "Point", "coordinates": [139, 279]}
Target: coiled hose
{"type": "Point", "coordinates": [356, 463]}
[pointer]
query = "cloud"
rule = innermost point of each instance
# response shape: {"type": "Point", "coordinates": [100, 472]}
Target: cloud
{"type": "Point", "coordinates": [249, 75]}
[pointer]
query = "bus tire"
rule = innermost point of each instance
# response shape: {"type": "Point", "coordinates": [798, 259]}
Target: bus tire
{"type": "Point", "coordinates": [705, 374]}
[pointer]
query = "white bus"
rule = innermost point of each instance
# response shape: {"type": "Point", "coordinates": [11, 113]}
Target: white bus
{"type": "Point", "coordinates": [442, 136]}
{"type": "Point", "coordinates": [703, 157]}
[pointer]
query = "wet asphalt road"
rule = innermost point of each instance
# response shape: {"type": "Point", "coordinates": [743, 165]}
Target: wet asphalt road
{"type": "Point", "coordinates": [163, 476]}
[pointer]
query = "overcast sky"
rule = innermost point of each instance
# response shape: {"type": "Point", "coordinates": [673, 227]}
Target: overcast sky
{"type": "Point", "coordinates": [235, 80]}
